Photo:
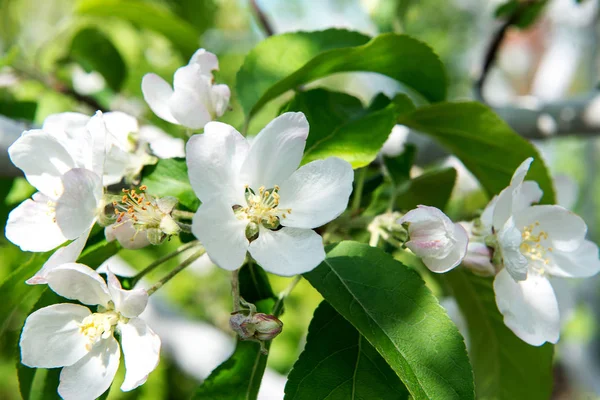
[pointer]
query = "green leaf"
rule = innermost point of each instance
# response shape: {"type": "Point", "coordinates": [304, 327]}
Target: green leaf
{"type": "Point", "coordinates": [524, 13]}
{"type": "Point", "coordinates": [505, 367]}
{"type": "Point", "coordinates": [339, 363]}
{"type": "Point", "coordinates": [95, 52]}
{"type": "Point", "coordinates": [146, 15]}
{"type": "Point", "coordinates": [432, 188]}
{"type": "Point", "coordinates": [398, 168]}
{"type": "Point", "coordinates": [169, 177]}
{"type": "Point", "coordinates": [239, 377]}
{"type": "Point", "coordinates": [93, 256]}
{"type": "Point", "coordinates": [341, 127]}
{"type": "Point", "coordinates": [285, 62]}
{"type": "Point", "coordinates": [487, 146]}
{"type": "Point", "coordinates": [389, 304]}
{"type": "Point", "coordinates": [16, 109]}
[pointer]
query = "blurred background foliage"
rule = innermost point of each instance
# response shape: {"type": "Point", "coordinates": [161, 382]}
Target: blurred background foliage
{"type": "Point", "coordinates": [68, 55]}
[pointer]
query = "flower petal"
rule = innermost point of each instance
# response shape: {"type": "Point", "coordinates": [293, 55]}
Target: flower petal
{"type": "Point", "coordinates": [78, 206]}
{"type": "Point", "coordinates": [32, 227]}
{"type": "Point", "coordinates": [221, 233]}
{"type": "Point", "coordinates": [93, 374]}
{"type": "Point", "coordinates": [66, 254]}
{"type": "Point", "coordinates": [51, 336]}
{"type": "Point", "coordinates": [78, 282]}
{"type": "Point", "coordinates": [509, 239]}
{"type": "Point", "coordinates": [157, 93]}
{"type": "Point", "coordinates": [214, 160]}
{"type": "Point", "coordinates": [519, 175]}
{"type": "Point", "coordinates": [141, 349]}
{"type": "Point", "coordinates": [529, 307]}
{"type": "Point", "coordinates": [220, 95]}
{"type": "Point", "coordinates": [316, 193]}
{"type": "Point", "coordinates": [288, 251]}
{"type": "Point", "coordinates": [161, 143]}
{"type": "Point", "coordinates": [126, 235]}
{"type": "Point", "coordinates": [129, 303]}
{"type": "Point", "coordinates": [69, 128]}
{"type": "Point", "coordinates": [206, 60]}
{"type": "Point", "coordinates": [120, 125]}
{"type": "Point", "coordinates": [276, 151]}
{"type": "Point", "coordinates": [191, 103]}
{"type": "Point", "coordinates": [580, 263]}
{"type": "Point", "coordinates": [566, 231]}
{"type": "Point", "coordinates": [455, 256]}
{"type": "Point", "coordinates": [43, 160]}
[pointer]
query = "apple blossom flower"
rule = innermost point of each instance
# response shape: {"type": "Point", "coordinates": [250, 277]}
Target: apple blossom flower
{"type": "Point", "coordinates": [194, 99]}
{"type": "Point", "coordinates": [66, 169]}
{"type": "Point", "coordinates": [394, 144]}
{"type": "Point", "coordinates": [532, 243]}
{"type": "Point", "coordinates": [439, 242]}
{"type": "Point", "coordinates": [254, 197]}
{"type": "Point", "coordinates": [82, 342]}
{"type": "Point", "coordinates": [142, 219]}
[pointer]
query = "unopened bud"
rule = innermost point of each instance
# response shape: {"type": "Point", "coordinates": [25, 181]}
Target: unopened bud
{"type": "Point", "coordinates": [267, 326]}
{"type": "Point", "coordinates": [252, 231]}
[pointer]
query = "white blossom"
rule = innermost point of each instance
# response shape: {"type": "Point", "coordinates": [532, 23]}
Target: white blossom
{"type": "Point", "coordinates": [194, 99]}
{"type": "Point", "coordinates": [440, 243]}
{"type": "Point", "coordinates": [66, 166]}
{"type": "Point", "coordinates": [532, 243]}
{"type": "Point", "coordinates": [394, 144]}
{"type": "Point", "coordinates": [254, 197]}
{"type": "Point", "coordinates": [82, 342]}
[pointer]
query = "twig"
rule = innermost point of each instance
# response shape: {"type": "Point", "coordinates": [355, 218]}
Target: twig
{"type": "Point", "coordinates": [177, 270]}
{"type": "Point", "coordinates": [162, 260]}
{"type": "Point", "coordinates": [262, 18]}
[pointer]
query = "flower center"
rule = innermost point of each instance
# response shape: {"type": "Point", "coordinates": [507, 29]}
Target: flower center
{"type": "Point", "coordinates": [140, 207]}
{"type": "Point", "coordinates": [99, 326]}
{"type": "Point", "coordinates": [532, 245]}
{"type": "Point", "coordinates": [261, 208]}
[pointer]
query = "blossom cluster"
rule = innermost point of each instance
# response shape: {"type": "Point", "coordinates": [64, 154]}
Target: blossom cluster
{"type": "Point", "coordinates": [257, 201]}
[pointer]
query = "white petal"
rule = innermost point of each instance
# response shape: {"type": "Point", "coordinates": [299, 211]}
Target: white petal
{"type": "Point", "coordinates": [69, 128]}
{"type": "Point", "coordinates": [120, 126]}
{"type": "Point", "coordinates": [78, 282]}
{"type": "Point", "coordinates": [78, 206]}
{"type": "Point", "coordinates": [220, 95]}
{"type": "Point", "coordinates": [141, 349]}
{"type": "Point", "coordinates": [394, 144]}
{"type": "Point", "coordinates": [566, 231]}
{"type": "Point", "coordinates": [51, 336]}
{"type": "Point", "coordinates": [276, 151]}
{"type": "Point", "coordinates": [43, 160]}
{"type": "Point", "coordinates": [525, 195]}
{"type": "Point", "coordinates": [191, 100]}
{"type": "Point", "coordinates": [32, 227]}
{"type": "Point", "coordinates": [129, 303]}
{"type": "Point", "coordinates": [214, 160]}
{"type": "Point", "coordinates": [580, 263]}
{"type": "Point", "coordinates": [455, 256]}
{"type": "Point", "coordinates": [529, 307]}
{"type": "Point", "coordinates": [510, 241]}
{"type": "Point", "coordinates": [66, 254]}
{"type": "Point", "coordinates": [221, 233]}
{"type": "Point", "coordinates": [93, 374]}
{"type": "Point", "coordinates": [161, 143]}
{"type": "Point", "coordinates": [288, 251]}
{"type": "Point", "coordinates": [316, 193]}
{"type": "Point", "coordinates": [157, 93]}
{"type": "Point", "coordinates": [126, 235]}
{"type": "Point", "coordinates": [519, 175]}
{"type": "Point", "coordinates": [206, 60]}
{"type": "Point", "coordinates": [100, 142]}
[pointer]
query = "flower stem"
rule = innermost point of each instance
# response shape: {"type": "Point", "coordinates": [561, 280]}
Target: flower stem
{"type": "Point", "coordinates": [278, 307]}
{"type": "Point", "coordinates": [162, 260]}
{"type": "Point", "coordinates": [175, 271]}
{"type": "Point", "coordinates": [235, 289]}
{"type": "Point", "coordinates": [184, 227]}
{"type": "Point", "coordinates": [361, 174]}
{"type": "Point", "coordinates": [182, 214]}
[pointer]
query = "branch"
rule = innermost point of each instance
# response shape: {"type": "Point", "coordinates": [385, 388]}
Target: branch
{"type": "Point", "coordinates": [262, 18]}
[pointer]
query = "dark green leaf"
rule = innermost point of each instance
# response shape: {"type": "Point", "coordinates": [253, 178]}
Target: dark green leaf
{"type": "Point", "coordinates": [95, 52]}
{"type": "Point", "coordinates": [389, 304]}
{"type": "Point", "coordinates": [523, 13]}
{"type": "Point", "coordinates": [15, 109]}
{"type": "Point", "coordinates": [338, 363]}
{"type": "Point", "coordinates": [169, 177]}
{"type": "Point", "coordinates": [239, 377]}
{"type": "Point", "coordinates": [487, 146]}
{"type": "Point", "coordinates": [505, 367]}
{"type": "Point", "coordinates": [146, 15]}
{"type": "Point", "coordinates": [285, 62]}
{"type": "Point", "coordinates": [432, 188]}
{"type": "Point", "coordinates": [398, 168]}
{"type": "Point", "coordinates": [93, 256]}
